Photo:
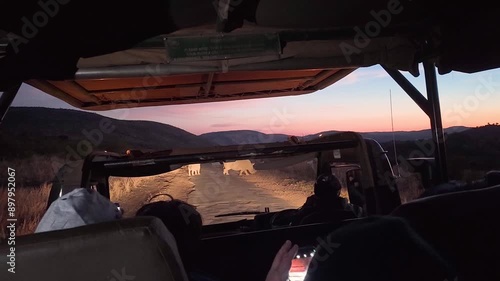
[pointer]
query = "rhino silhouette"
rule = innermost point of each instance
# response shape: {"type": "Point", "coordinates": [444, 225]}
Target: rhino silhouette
{"type": "Point", "coordinates": [243, 166]}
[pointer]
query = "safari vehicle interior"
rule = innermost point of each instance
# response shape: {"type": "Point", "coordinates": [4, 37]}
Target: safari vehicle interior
{"type": "Point", "coordinates": [340, 153]}
{"type": "Point", "coordinates": [243, 50]}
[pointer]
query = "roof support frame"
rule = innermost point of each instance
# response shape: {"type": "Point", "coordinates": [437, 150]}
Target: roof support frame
{"type": "Point", "coordinates": [431, 108]}
{"type": "Point", "coordinates": [170, 69]}
{"type": "Point", "coordinates": [408, 87]}
{"type": "Point", "coordinates": [7, 98]}
{"type": "Point", "coordinates": [208, 86]}
{"type": "Point", "coordinates": [436, 121]}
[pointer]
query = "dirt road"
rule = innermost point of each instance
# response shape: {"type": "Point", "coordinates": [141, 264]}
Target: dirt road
{"type": "Point", "coordinates": [174, 183]}
{"type": "Point", "coordinates": [214, 193]}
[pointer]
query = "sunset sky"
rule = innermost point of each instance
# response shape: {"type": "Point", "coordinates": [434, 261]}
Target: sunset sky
{"type": "Point", "coordinates": [360, 102]}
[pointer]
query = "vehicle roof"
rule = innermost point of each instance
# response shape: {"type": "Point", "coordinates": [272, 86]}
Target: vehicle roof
{"type": "Point", "coordinates": [95, 68]}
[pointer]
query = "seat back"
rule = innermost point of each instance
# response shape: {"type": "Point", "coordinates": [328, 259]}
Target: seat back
{"type": "Point", "coordinates": [123, 250]}
{"type": "Point", "coordinates": [463, 226]}
{"type": "Point", "coordinates": [322, 217]}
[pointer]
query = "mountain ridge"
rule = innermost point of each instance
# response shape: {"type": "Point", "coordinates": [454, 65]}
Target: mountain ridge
{"type": "Point", "coordinates": [52, 131]}
{"type": "Point", "coordinates": [235, 137]}
{"type": "Point", "coordinates": [60, 127]}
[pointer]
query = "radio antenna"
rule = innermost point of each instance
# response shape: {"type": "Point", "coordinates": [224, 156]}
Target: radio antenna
{"type": "Point", "coordinates": [394, 137]}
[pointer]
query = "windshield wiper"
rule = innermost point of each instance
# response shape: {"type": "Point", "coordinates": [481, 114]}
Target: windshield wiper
{"type": "Point", "coordinates": [243, 213]}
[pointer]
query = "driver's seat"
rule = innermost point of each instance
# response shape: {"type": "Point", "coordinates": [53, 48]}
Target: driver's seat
{"type": "Point", "coordinates": [123, 250]}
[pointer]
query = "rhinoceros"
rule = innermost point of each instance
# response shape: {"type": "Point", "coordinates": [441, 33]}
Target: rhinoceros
{"type": "Point", "coordinates": [243, 166]}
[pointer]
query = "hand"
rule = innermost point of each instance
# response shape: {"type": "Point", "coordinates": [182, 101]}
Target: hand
{"type": "Point", "coordinates": [282, 262]}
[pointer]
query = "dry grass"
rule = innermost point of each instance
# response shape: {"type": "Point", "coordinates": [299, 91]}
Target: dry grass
{"type": "Point", "coordinates": [35, 170]}
{"type": "Point", "coordinates": [409, 186]}
{"type": "Point", "coordinates": [30, 207]}
{"type": "Point", "coordinates": [33, 177]}
{"type": "Point", "coordinates": [119, 187]}
{"type": "Point", "coordinates": [301, 172]}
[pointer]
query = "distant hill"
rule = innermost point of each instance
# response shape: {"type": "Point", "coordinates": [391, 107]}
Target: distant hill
{"type": "Point", "coordinates": [242, 137]}
{"type": "Point", "coordinates": [475, 149]}
{"type": "Point", "coordinates": [34, 130]}
{"type": "Point", "coordinates": [398, 135]}
{"type": "Point", "coordinates": [248, 136]}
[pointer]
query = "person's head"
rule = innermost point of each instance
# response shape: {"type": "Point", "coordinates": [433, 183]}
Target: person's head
{"type": "Point", "coordinates": [327, 186]}
{"type": "Point", "coordinates": [492, 178]}
{"type": "Point", "coordinates": [377, 249]}
{"type": "Point", "coordinates": [182, 220]}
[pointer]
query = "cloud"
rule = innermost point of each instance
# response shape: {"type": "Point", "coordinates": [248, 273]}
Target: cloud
{"type": "Point", "coordinates": [363, 74]}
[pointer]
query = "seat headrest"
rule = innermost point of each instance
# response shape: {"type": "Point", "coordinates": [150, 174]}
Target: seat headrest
{"type": "Point", "coordinates": [463, 226]}
{"type": "Point", "coordinates": [460, 203]}
{"type": "Point", "coordinates": [128, 249]}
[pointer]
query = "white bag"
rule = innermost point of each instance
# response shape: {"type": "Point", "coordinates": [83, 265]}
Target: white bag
{"type": "Point", "coordinates": [77, 208]}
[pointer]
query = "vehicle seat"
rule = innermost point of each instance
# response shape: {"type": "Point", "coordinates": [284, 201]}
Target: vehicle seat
{"type": "Point", "coordinates": [323, 217]}
{"type": "Point", "coordinates": [123, 250]}
{"type": "Point", "coordinates": [463, 226]}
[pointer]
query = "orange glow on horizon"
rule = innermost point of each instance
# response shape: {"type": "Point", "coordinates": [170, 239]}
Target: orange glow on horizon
{"type": "Point", "coordinates": [409, 123]}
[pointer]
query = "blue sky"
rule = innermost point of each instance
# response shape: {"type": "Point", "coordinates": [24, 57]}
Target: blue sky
{"type": "Point", "coordinates": [360, 102]}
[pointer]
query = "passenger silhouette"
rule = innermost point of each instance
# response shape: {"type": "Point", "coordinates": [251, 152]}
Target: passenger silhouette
{"type": "Point", "coordinates": [377, 249]}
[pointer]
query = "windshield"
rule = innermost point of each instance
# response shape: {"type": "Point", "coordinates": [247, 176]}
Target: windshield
{"type": "Point", "coordinates": [223, 192]}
